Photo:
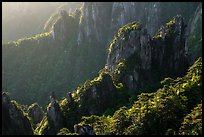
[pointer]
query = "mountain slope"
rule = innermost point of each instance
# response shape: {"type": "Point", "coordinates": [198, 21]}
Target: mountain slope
{"type": "Point", "coordinates": [166, 111]}
{"type": "Point", "coordinates": [29, 79]}
{"type": "Point", "coordinates": [108, 92]}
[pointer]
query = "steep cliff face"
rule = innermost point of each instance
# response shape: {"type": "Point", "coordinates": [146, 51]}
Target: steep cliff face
{"type": "Point", "coordinates": [14, 121]}
{"type": "Point", "coordinates": [193, 22]}
{"type": "Point", "coordinates": [100, 21]}
{"type": "Point", "coordinates": [101, 18]}
{"type": "Point", "coordinates": [160, 56]}
{"type": "Point", "coordinates": [125, 12]}
{"type": "Point", "coordinates": [94, 22]}
{"type": "Point", "coordinates": [194, 33]}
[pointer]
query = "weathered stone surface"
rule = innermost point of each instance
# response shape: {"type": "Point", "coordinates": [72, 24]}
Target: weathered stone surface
{"type": "Point", "coordinates": [95, 22]}
{"type": "Point", "coordinates": [165, 52]}
{"type": "Point", "coordinates": [101, 20]}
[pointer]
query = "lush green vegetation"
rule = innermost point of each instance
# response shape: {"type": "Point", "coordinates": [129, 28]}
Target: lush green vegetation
{"type": "Point", "coordinates": [160, 112]}
{"type": "Point", "coordinates": [192, 123]}
{"type": "Point", "coordinates": [65, 131]}
{"type": "Point", "coordinates": [42, 65]}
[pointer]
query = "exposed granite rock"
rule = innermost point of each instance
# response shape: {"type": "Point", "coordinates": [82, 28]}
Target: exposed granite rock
{"type": "Point", "coordinates": [132, 37]}
{"type": "Point", "coordinates": [169, 53]}
{"type": "Point", "coordinates": [102, 18]}
{"type": "Point", "coordinates": [94, 22]}
{"type": "Point", "coordinates": [14, 121]}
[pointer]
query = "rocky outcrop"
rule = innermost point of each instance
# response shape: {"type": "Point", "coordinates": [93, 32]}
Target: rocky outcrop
{"type": "Point", "coordinates": [36, 113]}
{"type": "Point", "coordinates": [14, 121]}
{"type": "Point", "coordinates": [54, 116]}
{"type": "Point", "coordinates": [62, 28]}
{"type": "Point", "coordinates": [160, 56]}
{"type": "Point", "coordinates": [168, 47]}
{"type": "Point", "coordinates": [130, 39]}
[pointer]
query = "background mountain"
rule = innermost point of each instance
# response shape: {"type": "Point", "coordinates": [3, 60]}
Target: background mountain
{"type": "Point", "coordinates": [24, 19]}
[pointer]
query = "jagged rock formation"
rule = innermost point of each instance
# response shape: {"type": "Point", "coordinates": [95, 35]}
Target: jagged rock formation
{"type": "Point", "coordinates": [36, 113]}
{"type": "Point", "coordinates": [54, 116]}
{"type": "Point", "coordinates": [14, 121]}
{"type": "Point", "coordinates": [165, 52]}
{"type": "Point", "coordinates": [52, 122]}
